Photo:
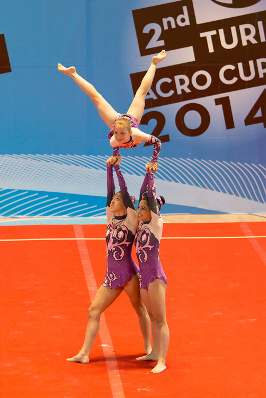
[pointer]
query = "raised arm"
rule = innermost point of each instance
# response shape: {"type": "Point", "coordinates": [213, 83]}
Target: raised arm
{"type": "Point", "coordinates": [153, 204]}
{"type": "Point", "coordinates": [110, 190]}
{"type": "Point", "coordinates": [131, 211]}
{"type": "Point", "coordinates": [144, 188]}
{"type": "Point", "coordinates": [152, 166]}
{"type": "Point", "coordinates": [123, 187]}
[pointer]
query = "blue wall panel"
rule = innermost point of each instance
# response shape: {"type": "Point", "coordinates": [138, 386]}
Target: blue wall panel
{"type": "Point", "coordinates": [53, 144]}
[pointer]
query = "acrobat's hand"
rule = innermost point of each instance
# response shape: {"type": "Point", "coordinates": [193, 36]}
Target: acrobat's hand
{"type": "Point", "coordinates": [114, 160]}
{"type": "Point", "coordinates": [118, 158]}
{"type": "Point", "coordinates": [152, 167]}
{"type": "Point", "coordinates": [67, 71]}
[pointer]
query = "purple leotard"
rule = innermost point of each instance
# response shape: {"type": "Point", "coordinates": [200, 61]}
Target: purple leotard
{"type": "Point", "coordinates": [119, 239]}
{"type": "Point", "coordinates": [147, 245]}
{"type": "Point", "coordinates": [130, 144]}
{"type": "Point", "coordinates": [120, 265]}
{"type": "Point", "coordinates": [147, 249]}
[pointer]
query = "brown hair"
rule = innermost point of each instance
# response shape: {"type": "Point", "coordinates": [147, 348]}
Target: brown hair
{"type": "Point", "coordinates": [159, 202]}
{"type": "Point", "coordinates": [132, 197]}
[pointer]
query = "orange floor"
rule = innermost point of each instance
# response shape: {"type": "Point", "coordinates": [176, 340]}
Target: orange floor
{"type": "Point", "coordinates": [215, 309]}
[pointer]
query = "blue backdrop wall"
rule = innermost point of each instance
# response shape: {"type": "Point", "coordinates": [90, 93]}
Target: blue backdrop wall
{"type": "Point", "coordinates": [207, 103]}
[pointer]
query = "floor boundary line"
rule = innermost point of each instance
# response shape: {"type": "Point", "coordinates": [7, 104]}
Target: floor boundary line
{"type": "Point", "coordinates": [256, 246]}
{"type": "Point", "coordinates": [163, 238]}
{"type": "Point", "coordinates": [107, 345]}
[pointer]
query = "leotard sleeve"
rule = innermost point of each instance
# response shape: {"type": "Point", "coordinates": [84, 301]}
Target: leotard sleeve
{"type": "Point", "coordinates": [153, 204]}
{"type": "Point", "coordinates": [157, 147]}
{"type": "Point", "coordinates": [115, 150]}
{"type": "Point", "coordinates": [144, 188]}
{"type": "Point", "coordinates": [110, 185]}
{"type": "Point", "coordinates": [125, 195]}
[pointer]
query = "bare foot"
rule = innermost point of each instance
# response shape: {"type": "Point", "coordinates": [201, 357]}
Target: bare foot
{"type": "Point", "coordinates": [159, 368]}
{"type": "Point", "coordinates": [148, 349]}
{"type": "Point", "coordinates": [80, 358]}
{"type": "Point", "coordinates": [67, 71]}
{"type": "Point", "coordinates": [150, 357]}
{"type": "Point", "coordinates": [158, 58]}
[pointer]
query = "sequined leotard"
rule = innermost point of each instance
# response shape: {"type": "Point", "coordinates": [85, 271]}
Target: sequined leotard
{"type": "Point", "coordinates": [147, 249]}
{"type": "Point", "coordinates": [147, 245]}
{"type": "Point", "coordinates": [130, 144]}
{"type": "Point", "coordinates": [120, 265]}
{"type": "Point", "coordinates": [119, 239]}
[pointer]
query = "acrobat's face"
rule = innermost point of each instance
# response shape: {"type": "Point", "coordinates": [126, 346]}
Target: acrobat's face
{"type": "Point", "coordinates": [144, 213]}
{"type": "Point", "coordinates": [121, 133]}
{"type": "Point", "coordinates": [117, 204]}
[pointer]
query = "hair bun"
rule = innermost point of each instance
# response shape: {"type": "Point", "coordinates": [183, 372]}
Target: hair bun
{"type": "Point", "coordinates": [133, 199]}
{"type": "Point", "coordinates": [160, 200]}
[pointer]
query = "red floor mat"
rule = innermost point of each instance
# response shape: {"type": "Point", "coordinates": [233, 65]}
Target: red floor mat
{"type": "Point", "coordinates": [215, 309]}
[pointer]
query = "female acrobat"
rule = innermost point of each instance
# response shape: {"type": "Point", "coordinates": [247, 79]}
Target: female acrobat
{"type": "Point", "coordinates": [125, 131]}
{"type": "Point", "coordinates": [122, 272]}
{"type": "Point", "coordinates": [152, 277]}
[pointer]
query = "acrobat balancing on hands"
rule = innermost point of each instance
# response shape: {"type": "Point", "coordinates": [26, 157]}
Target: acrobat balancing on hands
{"type": "Point", "coordinates": [125, 132]}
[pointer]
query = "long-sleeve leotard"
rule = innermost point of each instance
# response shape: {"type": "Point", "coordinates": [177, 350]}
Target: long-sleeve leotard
{"type": "Point", "coordinates": [119, 241]}
{"type": "Point", "coordinates": [130, 144]}
{"type": "Point", "coordinates": [147, 245]}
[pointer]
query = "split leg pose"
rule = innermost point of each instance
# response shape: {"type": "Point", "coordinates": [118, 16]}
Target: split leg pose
{"type": "Point", "coordinates": [106, 111]}
{"type": "Point", "coordinates": [125, 130]}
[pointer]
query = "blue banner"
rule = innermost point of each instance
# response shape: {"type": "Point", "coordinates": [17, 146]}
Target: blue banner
{"type": "Point", "coordinates": [207, 103]}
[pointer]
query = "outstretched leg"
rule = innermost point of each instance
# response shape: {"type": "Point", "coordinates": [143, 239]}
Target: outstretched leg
{"type": "Point", "coordinates": [106, 112]}
{"type": "Point", "coordinates": [103, 299]}
{"type": "Point", "coordinates": [138, 104]}
{"type": "Point", "coordinates": [132, 290]}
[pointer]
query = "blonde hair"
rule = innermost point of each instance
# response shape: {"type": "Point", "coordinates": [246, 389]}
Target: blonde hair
{"type": "Point", "coordinates": [123, 122]}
